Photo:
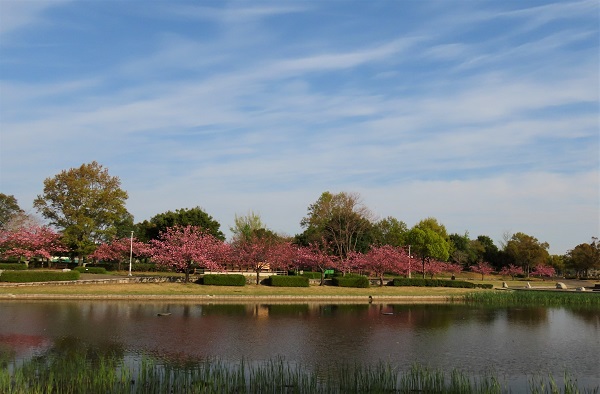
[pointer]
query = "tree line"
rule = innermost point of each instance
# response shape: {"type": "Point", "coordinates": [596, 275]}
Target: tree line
{"type": "Point", "coordinates": [87, 219]}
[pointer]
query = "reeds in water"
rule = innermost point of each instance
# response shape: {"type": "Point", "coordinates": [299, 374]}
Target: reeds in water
{"type": "Point", "coordinates": [535, 297]}
{"type": "Point", "coordinates": [108, 375]}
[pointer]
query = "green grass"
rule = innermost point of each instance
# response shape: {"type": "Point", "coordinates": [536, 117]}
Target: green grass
{"type": "Point", "coordinates": [535, 297]}
{"type": "Point", "coordinates": [108, 373]}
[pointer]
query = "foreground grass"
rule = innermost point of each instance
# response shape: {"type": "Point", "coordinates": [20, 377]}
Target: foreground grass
{"type": "Point", "coordinates": [109, 374]}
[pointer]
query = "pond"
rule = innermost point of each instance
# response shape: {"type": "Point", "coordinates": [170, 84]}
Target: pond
{"type": "Point", "coordinates": [514, 343]}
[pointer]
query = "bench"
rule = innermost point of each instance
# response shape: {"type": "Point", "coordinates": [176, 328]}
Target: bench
{"type": "Point", "coordinates": [596, 287]}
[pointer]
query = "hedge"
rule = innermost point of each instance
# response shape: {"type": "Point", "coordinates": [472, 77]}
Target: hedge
{"type": "Point", "coordinates": [223, 280]}
{"type": "Point", "coordinates": [288, 281]}
{"type": "Point", "coordinates": [351, 281]}
{"type": "Point", "coordinates": [13, 266]}
{"type": "Point", "coordinates": [91, 270]}
{"type": "Point", "coordinates": [311, 275]}
{"type": "Point", "coordinates": [37, 276]}
{"type": "Point", "coordinates": [419, 282]}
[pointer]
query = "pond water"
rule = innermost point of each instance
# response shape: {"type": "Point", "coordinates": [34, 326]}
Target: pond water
{"type": "Point", "coordinates": [512, 342]}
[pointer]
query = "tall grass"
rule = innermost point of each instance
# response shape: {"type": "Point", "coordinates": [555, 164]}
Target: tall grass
{"type": "Point", "coordinates": [535, 297]}
{"type": "Point", "coordinates": [112, 375]}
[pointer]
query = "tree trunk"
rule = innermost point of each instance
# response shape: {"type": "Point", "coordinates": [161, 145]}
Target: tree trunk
{"type": "Point", "coordinates": [258, 276]}
{"type": "Point", "coordinates": [322, 277]}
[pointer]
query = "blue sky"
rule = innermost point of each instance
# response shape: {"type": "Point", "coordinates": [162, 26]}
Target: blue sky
{"type": "Point", "coordinates": [482, 114]}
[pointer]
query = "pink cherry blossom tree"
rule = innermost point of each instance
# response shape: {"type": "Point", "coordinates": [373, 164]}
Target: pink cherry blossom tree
{"type": "Point", "coordinates": [316, 257]}
{"type": "Point", "coordinates": [385, 259]}
{"type": "Point", "coordinates": [119, 250]}
{"type": "Point", "coordinates": [30, 242]}
{"type": "Point", "coordinates": [186, 247]}
{"type": "Point", "coordinates": [543, 271]}
{"type": "Point", "coordinates": [482, 268]}
{"type": "Point", "coordinates": [511, 270]}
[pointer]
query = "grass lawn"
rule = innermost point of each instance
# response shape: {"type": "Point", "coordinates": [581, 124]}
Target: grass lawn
{"type": "Point", "coordinates": [178, 289]}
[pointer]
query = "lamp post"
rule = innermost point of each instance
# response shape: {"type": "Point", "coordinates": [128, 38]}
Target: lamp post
{"type": "Point", "coordinates": [409, 261]}
{"type": "Point", "coordinates": [130, 252]}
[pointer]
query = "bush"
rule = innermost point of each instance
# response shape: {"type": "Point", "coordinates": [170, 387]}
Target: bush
{"type": "Point", "coordinates": [106, 266]}
{"type": "Point", "coordinates": [351, 281]}
{"type": "Point", "coordinates": [223, 280]}
{"type": "Point", "coordinates": [311, 275]}
{"type": "Point", "coordinates": [37, 276]}
{"type": "Point", "coordinates": [419, 282]}
{"type": "Point", "coordinates": [288, 281]}
{"type": "Point", "coordinates": [91, 270]}
{"type": "Point", "coordinates": [13, 266]}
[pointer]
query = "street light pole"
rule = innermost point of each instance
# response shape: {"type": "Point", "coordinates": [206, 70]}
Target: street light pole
{"type": "Point", "coordinates": [409, 261]}
{"type": "Point", "coordinates": [130, 252]}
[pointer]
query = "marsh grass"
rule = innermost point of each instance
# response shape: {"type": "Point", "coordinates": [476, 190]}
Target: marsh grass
{"type": "Point", "coordinates": [79, 374]}
{"type": "Point", "coordinates": [535, 297]}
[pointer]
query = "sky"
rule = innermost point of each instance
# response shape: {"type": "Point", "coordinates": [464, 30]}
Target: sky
{"type": "Point", "coordinates": [482, 114]}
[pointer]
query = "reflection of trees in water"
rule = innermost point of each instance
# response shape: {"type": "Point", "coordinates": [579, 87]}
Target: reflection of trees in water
{"type": "Point", "coordinates": [71, 348]}
{"type": "Point", "coordinates": [587, 315]}
{"type": "Point", "coordinates": [530, 316]}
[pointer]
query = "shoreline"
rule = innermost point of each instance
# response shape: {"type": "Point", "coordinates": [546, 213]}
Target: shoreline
{"type": "Point", "coordinates": [359, 299]}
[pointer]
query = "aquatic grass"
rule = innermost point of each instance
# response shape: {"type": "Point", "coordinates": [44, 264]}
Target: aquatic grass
{"type": "Point", "coordinates": [108, 375]}
{"type": "Point", "coordinates": [534, 297]}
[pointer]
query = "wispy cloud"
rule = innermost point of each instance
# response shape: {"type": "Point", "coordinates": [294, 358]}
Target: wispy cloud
{"type": "Point", "coordinates": [233, 108]}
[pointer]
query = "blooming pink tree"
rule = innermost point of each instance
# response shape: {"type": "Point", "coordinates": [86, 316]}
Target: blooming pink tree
{"type": "Point", "coordinates": [30, 242]}
{"type": "Point", "coordinates": [187, 247]}
{"type": "Point", "coordinates": [263, 250]}
{"type": "Point", "coordinates": [383, 259]}
{"type": "Point", "coordinates": [120, 249]}
{"type": "Point", "coordinates": [316, 256]}
{"type": "Point", "coordinates": [453, 268]}
{"type": "Point", "coordinates": [511, 270]}
{"type": "Point", "coordinates": [543, 271]}
{"type": "Point", "coordinates": [482, 268]}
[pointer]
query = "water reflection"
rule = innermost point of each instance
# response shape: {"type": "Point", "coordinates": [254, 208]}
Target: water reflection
{"type": "Point", "coordinates": [512, 341]}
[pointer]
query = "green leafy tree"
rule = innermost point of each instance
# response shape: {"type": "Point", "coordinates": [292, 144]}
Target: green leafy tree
{"type": "Point", "coordinates": [341, 220]}
{"type": "Point", "coordinates": [8, 208]}
{"type": "Point", "coordinates": [196, 217]}
{"type": "Point", "coordinates": [428, 245]}
{"type": "Point", "coordinates": [527, 251]}
{"type": "Point", "coordinates": [390, 231]}
{"type": "Point", "coordinates": [85, 203]}
{"type": "Point", "coordinates": [245, 225]}
{"type": "Point", "coordinates": [584, 257]}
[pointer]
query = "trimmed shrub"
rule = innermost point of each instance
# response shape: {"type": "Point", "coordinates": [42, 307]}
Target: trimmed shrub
{"type": "Point", "coordinates": [13, 266]}
{"type": "Point", "coordinates": [91, 270]}
{"type": "Point", "coordinates": [106, 266]}
{"type": "Point", "coordinates": [223, 280]}
{"type": "Point", "coordinates": [37, 276]}
{"type": "Point", "coordinates": [288, 281]}
{"type": "Point", "coordinates": [420, 282]}
{"type": "Point", "coordinates": [351, 281]}
{"type": "Point", "coordinates": [311, 275]}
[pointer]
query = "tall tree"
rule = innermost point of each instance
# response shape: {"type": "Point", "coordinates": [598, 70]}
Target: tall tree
{"type": "Point", "coordinates": [86, 203]}
{"type": "Point", "coordinates": [527, 251]}
{"type": "Point", "coordinates": [428, 245]}
{"type": "Point", "coordinates": [390, 231]}
{"type": "Point", "coordinates": [342, 220]}
{"type": "Point", "coordinates": [196, 217]}
{"type": "Point", "coordinates": [8, 208]}
{"type": "Point", "coordinates": [245, 225]}
{"type": "Point", "coordinates": [584, 257]}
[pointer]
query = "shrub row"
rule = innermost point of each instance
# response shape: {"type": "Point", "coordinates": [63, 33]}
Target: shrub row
{"type": "Point", "coordinates": [311, 275]}
{"type": "Point", "coordinates": [37, 276]}
{"type": "Point", "coordinates": [419, 282]}
{"type": "Point", "coordinates": [288, 281]}
{"type": "Point", "coordinates": [91, 270]}
{"type": "Point", "coordinates": [13, 266]}
{"type": "Point", "coordinates": [223, 280]}
{"type": "Point", "coordinates": [351, 281]}
{"type": "Point", "coordinates": [135, 267]}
